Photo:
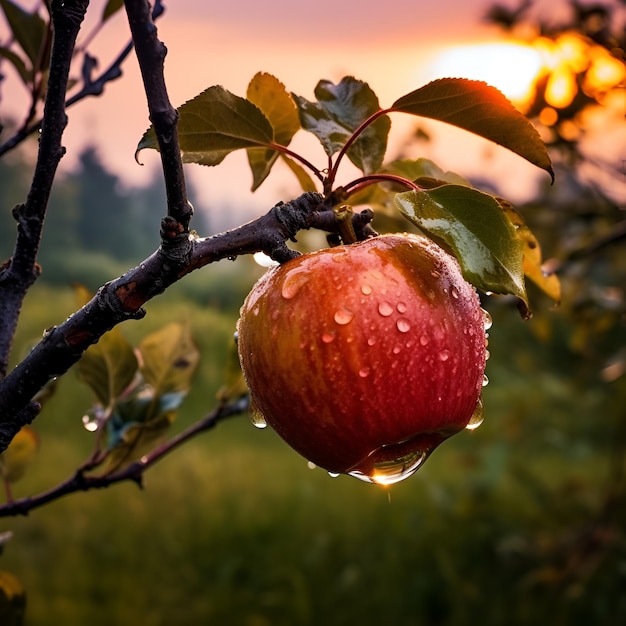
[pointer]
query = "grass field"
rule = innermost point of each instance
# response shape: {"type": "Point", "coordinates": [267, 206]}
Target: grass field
{"type": "Point", "coordinates": [509, 524]}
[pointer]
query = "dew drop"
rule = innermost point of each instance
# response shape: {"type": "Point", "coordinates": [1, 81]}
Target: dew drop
{"type": "Point", "coordinates": [487, 321]}
{"type": "Point", "coordinates": [477, 416]}
{"type": "Point", "coordinates": [454, 292]}
{"type": "Point", "coordinates": [424, 340]}
{"type": "Point", "coordinates": [256, 417]}
{"type": "Point", "coordinates": [385, 309]}
{"type": "Point", "coordinates": [485, 380]}
{"type": "Point", "coordinates": [435, 274]}
{"type": "Point", "coordinates": [397, 350]}
{"type": "Point", "coordinates": [487, 355]}
{"type": "Point", "coordinates": [403, 325]}
{"type": "Point", "coordinates": [393, 470]}
{"type": "Point", "coordinates": [343, 316]}
{"type": "Point", "coordinates": [364, 372]}
{"type": "Point", "coordinates": [90, 424]}
{"type": "Point", "coordinates": [401, 306]}
{"type": "Point", "coordinates": [311, 465]}
{"type": "Point", "coordinates": [328, 337]}
{"type": "Point", "coordinates": [294, 281]}
{"type": "Point", "coordinates": [366, 290]}
{"type": "Point", "coordinates": [255, 311]}
{"type": "Point", "coordinates": [371, 341]}
{"type": "Point", "coordinates": [444, 355]}
{"type": "Point", "coordinates": [333, 474]}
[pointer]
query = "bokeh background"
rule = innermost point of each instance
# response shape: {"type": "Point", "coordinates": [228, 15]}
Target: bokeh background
{"type": "Point", "coordinates": [519, 522]}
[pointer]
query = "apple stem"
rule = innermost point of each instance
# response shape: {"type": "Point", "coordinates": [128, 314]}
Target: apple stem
{"type": "Point", "coordinates": [344, 215]}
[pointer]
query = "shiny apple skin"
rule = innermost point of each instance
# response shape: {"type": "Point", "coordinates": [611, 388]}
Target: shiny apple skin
{"type": "Point", "coordinates": [365, 355]}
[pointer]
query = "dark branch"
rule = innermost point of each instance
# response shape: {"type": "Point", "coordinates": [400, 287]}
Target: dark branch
{"type": "Point", "coordinates": [21, 271]}
{"type": "Point", "coordinates": [81, 481]}
{"type": "Point", "coordinates": [164, 117]}
{"type": "Point", "coordinates": [123, 298]}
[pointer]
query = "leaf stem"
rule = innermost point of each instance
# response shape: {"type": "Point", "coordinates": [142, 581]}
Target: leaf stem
{"type": "Point", "coordinates": [371, 179]}
{"type": "Point", "coordinates": [332, 174]}
{"type": "Point", "coordinates": [297, 157]}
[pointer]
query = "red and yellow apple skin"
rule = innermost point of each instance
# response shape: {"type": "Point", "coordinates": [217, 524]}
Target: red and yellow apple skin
{"type": "Point", "coordinates": [365, 357]}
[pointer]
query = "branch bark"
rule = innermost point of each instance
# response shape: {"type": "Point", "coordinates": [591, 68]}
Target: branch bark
{"type": "Point", "coordinates": [123, 298]}
{"type": "Point", "coordinates": [21, 271]}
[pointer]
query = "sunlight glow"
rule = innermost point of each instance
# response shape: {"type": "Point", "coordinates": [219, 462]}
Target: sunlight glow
{"type": "Point", "coordinates": [511, 67]}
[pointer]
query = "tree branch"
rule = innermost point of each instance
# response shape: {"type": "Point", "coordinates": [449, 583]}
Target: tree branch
{"type": "Point", "coordinates": [81, 481]}
{"type": "Point", "coordinates": [18, 274]}
{"type": "Point", "coordinates": [123, 298]}
{"type": "Point", "coordinates": [164, 117]}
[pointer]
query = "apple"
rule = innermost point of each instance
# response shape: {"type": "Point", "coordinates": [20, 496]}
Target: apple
{"type": "Point", "coordinates": [367, 356]}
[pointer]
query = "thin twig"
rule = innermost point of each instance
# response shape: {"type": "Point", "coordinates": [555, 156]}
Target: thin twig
{"type": "Point", "coordinates": [134, 472]}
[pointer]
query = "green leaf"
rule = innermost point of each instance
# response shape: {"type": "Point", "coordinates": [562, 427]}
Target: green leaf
{"type": "Point", "coordinates": [108, 367]}
{"type": "Point", "coordinates": [17, 62]}
{"type": "Point", "coordinates": [214, 124]}
{"type": "Point", "coordinates": [473, 225]}
{"type": "Point", "coordinates": [270, 96]}
{"type": "Point", "coordinates": [19, 455]}
{"type": "Point", "coordinates": [421, 169]}
{"type": "Point", "coordinates": [306, 182]}
{"type": "Point", "coordinates": [548, 283]}
{"type": "Point", "coordinates": [169, 358]}
{"type": "Point", "coordinates": [339, 110]}
{"type": "Point", "coordinates": [112, 7]}
{"type": "Point", "coordinates": [29, 29]}
{"type": "Point", "coordinates": [480, 109]}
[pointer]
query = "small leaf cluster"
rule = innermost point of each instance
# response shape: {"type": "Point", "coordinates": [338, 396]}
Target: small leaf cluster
{"type": "Point", "coordinates": [486, 234]}
{"type": "Point", "coordinates": [137, 391]}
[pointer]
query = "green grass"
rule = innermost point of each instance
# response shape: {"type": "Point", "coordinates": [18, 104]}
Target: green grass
{"type": "Point", "coordinates": [233, 529]}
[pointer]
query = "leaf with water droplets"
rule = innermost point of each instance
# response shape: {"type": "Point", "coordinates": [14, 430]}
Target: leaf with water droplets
{"type": "Point", "coordinates": [548, 283]}
{"type": "Point", "coordinates": [474, 227]}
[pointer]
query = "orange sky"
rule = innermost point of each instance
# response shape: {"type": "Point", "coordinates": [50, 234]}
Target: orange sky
{"type": "Point", "coordinates": [393, 48]}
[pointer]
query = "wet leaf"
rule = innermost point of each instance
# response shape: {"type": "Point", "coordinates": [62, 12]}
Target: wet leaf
{"type": "Point", "coordinates": [480, 109]}
{"type": "Point", "coordinates": [108, 367]}
{"type": "Point", "coordinates": [214, 124]}
{"type": "Point", "coordinates": [548, 283]}
{"type": "Point", "coordinates": [20, 454]}
{"type": "Point", "coordinates": [476, 229]}
{"type": "Point", "coordinates": [339, 110]}
{"type": "Point", "coordinates": [271, 97]}
{"type": "Point", "coordinates": [170, 357]}
{"type": "Point", "coordinates": [29, 29]}
{"type": "Point", "coordinates": [135, 440]}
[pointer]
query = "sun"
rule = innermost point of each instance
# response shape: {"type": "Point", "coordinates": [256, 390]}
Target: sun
{"type": "Point", "coordinates": [512, 67]}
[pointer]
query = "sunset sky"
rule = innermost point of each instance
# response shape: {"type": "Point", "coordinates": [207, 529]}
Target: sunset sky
{"type": "Point", "coordinates": [395, 49]}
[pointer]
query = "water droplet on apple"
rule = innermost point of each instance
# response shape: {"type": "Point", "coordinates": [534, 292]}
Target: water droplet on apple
{"type": "Point", "coordinates": [444, 355]}
{"type": "Point", "coordinates": [343, 316]}
{"type": "Point", "coordinates": [403, 325]}
{"type": "Point", "coordinates": [487, 355]}
{"type": "Point", "coordinates": [294, 281]}
{"type": "Point", "coordinates": [454, 292]}
{"type": "Point", "coordinates": [256, 417]}
{"type": "Point", "coordinates": [477, 416]}
{"type": "Point", "coordinates": [393, 470]}
{"type": "Point", "coordinates": [397, 349]}
{"type": "Point", "coordinates": [366, 290]}
{"type": "Point", "coordinates": [401, 307]}
{"type": "Point", "coordinates": [333, 474]}
{"type": "Point", "coordinates": [328, 337]}
{"type": "Point", "coordinates": [311, 465]}
{"type": "Point", "coordinates": [364, 372]}
{"type": "Point", "coordinates": [371, 341]}
{"type": "Point", "coordinates": [487, 321]}
{"type": "Point", "coordinates": [485, 380]}
{"type": "Point", "coordinates": [435, 274]}
{"type": "Point", "coordinates": [385, 309]}
{"type": "Point", "coordinates": [424, 340]}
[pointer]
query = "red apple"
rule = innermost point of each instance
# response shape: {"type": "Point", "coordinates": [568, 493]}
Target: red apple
{"type": "Point", "coordinates": [365, 357]}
